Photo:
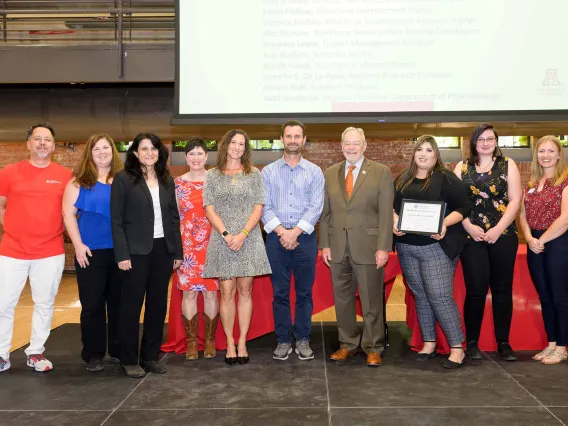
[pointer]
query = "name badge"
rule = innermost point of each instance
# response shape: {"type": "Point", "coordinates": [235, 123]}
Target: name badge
{"type": "Point", "coordinates": [531, 190]}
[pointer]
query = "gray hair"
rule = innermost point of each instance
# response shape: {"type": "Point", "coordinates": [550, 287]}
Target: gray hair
{"type": "Point", "coordinates": [356, 129]}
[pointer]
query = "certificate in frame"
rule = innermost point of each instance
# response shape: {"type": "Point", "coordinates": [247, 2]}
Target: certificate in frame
{"type": "Point", "coordinates": [421, 217]}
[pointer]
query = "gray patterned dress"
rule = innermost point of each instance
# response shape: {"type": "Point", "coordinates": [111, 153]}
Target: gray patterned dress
{"type": "Point", "coordinates": [233, 198]}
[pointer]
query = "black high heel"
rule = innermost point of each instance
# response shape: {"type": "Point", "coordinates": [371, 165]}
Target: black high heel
{"type": "Point", "coordinates": [231, 360]}
{"type": "Point", "coordinates": [421, 357]}
{"type": "Point", "coordinates": [242, 359]}
{"type": "Point", "coordinates": [451, 365]}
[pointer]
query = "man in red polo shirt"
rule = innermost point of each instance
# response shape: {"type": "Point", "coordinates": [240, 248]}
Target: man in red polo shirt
{"type": "Point", "coordinates": [32, 246]}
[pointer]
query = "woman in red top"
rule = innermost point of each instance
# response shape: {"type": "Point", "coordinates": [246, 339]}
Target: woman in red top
{"type": "Point", "coordinates": [195, 233]}
{"type": "Point", "coordinates": [544, 221]}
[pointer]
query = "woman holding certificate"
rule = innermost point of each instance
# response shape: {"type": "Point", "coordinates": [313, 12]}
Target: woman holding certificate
{"type": "Point", "coordinates": [493, 183]}
{"type": "Point", "coordinates": [429, 261]}
{"type": "Point", "coordinates": [544, 221]}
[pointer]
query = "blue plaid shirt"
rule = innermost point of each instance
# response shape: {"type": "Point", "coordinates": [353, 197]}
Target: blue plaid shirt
{"type": "Point", "coordinates": [294, 196]}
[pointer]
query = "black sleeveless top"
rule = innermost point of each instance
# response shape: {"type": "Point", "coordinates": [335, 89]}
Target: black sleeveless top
{"type": "Point", "coordinates": [488, 194]}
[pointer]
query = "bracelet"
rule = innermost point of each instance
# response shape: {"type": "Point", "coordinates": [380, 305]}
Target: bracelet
{"type": "Point", "coordinates": [245, 232]}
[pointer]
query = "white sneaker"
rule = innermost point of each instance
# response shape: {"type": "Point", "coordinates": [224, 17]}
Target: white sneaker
{"type": "Point", "coordinates": [4, 364]}
{"type": "Point", "coordinates": [39, 363]}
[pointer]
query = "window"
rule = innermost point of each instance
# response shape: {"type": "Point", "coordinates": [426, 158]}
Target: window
{"type": "Point", "coordinates": [447, 141]}
{"type": "Point", "coordinates": [179, 146]}
{"type": "Point", "coordinates": [123, 146]}
{"type": "Point", "coordinates": [563, 140]}
{"type": "Point", "coordinates": [514, 141]}
{"type": "Point", "coordinates": [266, 144]}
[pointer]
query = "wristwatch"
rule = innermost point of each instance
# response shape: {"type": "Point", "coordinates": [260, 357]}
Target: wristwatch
{"type": "Point", "coordinates": [225, 233]}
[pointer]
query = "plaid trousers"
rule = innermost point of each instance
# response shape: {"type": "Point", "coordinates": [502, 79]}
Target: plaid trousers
{"type": "Point", "coordinates": [429, 273]}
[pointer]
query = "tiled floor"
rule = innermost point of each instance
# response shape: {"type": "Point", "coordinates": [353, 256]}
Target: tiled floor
{"type": "Point", "coordinates": [268, 392]}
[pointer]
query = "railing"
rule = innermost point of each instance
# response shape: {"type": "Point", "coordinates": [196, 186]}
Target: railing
{"type": "Point", "coordinates": [68, 22]}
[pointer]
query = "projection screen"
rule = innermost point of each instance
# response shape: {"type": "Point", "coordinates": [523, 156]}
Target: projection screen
{"type": "Point", "coordinates": [259, 61]}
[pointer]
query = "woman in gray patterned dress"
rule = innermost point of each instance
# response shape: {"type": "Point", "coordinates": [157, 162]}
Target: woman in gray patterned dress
{"type": "Point", "coordinates": [233, 197]}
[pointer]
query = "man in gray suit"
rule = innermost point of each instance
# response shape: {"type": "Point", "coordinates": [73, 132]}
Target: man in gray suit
{"type": "Point", "coordinates": [355, 238]}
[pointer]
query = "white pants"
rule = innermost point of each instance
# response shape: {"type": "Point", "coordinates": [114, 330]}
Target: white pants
{"type": "Point", "coordinates": [45, 276]}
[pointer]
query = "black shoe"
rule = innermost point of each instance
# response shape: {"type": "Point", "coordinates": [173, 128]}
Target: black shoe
{"type": "Point", "coordinates": [421, 357]}
{"type": "Point", "coordinates": [506, 352]}
{"type": "Point", "coordinates": [94, 365]}
{"type": "Point", "coordinates": [243, 360]}
{"type": "Point", "coordinates": [473, 351]}
{"type": "Point", "coordinates": [231, 360]}
{"type": "Point", "coordinates": [452, 365]}
{"type": "Point", "coordinates": [155, 367]}
{"type": "Point", "coordinates": [134, 371]}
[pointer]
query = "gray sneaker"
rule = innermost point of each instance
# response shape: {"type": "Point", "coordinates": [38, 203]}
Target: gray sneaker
{"type": "Point", "coordinates": [282, 351]}
{"type": "Point", "coordinates": [303, 350]}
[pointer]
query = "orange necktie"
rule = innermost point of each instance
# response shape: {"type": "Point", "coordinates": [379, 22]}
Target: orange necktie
{"type": "Point", "coordinates": [349, 181]}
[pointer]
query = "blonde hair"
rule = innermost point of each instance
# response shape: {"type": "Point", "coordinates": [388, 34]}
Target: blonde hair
{"type": "Point", "coordinates": [560, 170]}
{"type": "Point", "coordinates": [356, 129]}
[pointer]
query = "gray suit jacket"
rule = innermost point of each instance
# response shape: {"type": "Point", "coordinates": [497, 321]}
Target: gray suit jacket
{"type": "Point", "coordinates": [366, 219]}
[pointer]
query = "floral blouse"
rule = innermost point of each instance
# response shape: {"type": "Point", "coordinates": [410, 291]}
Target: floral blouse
{"type": "Point", "coordinates": [488, 194]}
{"type": "Point", "coordinates": [543, 207]}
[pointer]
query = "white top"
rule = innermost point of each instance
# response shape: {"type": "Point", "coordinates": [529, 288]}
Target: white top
{"type": "Point", "coordinates": [357, 165]}
{"type": "Point", "coordinates": [158, 226]}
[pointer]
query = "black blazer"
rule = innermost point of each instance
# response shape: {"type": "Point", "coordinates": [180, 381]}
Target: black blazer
{"type": "Point", "coordinates": [132, 215]}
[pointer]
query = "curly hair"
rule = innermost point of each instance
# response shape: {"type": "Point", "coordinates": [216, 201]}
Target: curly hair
{"type": "Point", "coordinates": [86, 173]}
{"type": "Point", "coordinates": [222, 154]}
{"type": "Point", "coordinates": [134, 168]}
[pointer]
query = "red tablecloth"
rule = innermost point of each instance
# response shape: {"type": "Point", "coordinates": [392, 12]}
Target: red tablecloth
{"type": "Point", "coordinates": [527, 327]}
{"type": "Point", "coordinates": [262, 317]}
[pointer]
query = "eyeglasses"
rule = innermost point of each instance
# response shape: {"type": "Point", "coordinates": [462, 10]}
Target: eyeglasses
{"type": "Point", "coordinates": [490, 139]}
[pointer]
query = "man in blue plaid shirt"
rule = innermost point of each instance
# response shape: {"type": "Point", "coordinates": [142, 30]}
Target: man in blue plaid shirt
{"type": "Point", "coordinates": [294, 201]}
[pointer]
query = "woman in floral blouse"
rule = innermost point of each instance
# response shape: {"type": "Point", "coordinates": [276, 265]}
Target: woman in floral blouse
{"type": "Point", "coordinates": [195, 233]}
{"type": "Point", "coordinates": [544, 221]}
{"type": "Point", "coordinates": [494, 186]}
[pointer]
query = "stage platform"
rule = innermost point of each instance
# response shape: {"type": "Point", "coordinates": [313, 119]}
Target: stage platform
{"type": "Point", "coordinates": [268, 392]}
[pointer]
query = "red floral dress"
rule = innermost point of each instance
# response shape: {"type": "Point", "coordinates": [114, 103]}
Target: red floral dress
{"type": "Point", "coordinates": [195, 233]}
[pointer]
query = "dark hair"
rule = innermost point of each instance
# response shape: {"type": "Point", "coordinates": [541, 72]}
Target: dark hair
{"type": "Point", "coordinates": [408, 175]}
{"type": "Point", "coordinates": [473, 158]}
{"type": "Point", "coordinates": [292, 123]}
{"type": "Point", "coordinates": [222, 153]}
{"type": "Point", "coordinates": [134, 168]}
{"type": "Point", "coordinates": [43, 124]}
{"type": "Point", "coordinates": [195, 143]}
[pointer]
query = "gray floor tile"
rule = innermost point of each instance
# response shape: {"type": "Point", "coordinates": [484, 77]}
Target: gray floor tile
{"type": "Point", "coordinates": [519, 416]}
{"type": "Point", "coordinates": [546, 382]}
{"type": "Point", "coordinates": [253, 417]}
{"type": "Point", "coordinates": [401, 381]}
{"type": "Point", "coordinates": [55, 418]}
{"type": "Point", "coordinates": [263, 382]}
{"type": "Point", "coordinates": [561, 412]}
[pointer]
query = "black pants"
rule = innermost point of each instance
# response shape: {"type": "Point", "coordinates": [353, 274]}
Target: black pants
{"type": "Point", "coordinates": [99, 292]}
{"type": "Point", "coordinates": [489, 266]}
{"type": "Point", "coordinates": [150, 277]}
{"type": "Point", "coordinates": [549, 273]}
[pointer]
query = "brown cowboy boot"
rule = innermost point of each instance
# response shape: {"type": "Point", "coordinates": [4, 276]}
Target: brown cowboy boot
{"type": "Point", "coordinates": [210, 329]}
{"type": "Point", "coordinates": [191, 331]}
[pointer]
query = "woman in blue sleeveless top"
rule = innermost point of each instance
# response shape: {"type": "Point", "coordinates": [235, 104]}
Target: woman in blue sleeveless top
{"type": "Point", "coordinates": [86, 212]}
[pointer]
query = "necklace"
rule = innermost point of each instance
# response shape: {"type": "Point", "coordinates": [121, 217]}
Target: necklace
{"type": "Point", "coordinates": [483, 170]}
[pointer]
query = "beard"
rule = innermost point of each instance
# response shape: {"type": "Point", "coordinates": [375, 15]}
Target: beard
{"type": "Point", "coordinates": [292, 149]}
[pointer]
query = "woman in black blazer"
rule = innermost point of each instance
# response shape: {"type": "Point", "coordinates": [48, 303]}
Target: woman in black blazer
{"type": "Point", "coordinates": [147, 239]}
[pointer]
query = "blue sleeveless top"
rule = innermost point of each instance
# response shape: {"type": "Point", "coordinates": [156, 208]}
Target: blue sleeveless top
{"type": "Point", "coordinates": [93, 209]}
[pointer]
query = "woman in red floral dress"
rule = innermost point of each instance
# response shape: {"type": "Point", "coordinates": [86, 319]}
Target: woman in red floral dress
{"type": "Point", "coordinates": [195, 233]}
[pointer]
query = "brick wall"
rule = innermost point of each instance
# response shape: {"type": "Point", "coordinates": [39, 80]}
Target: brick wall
{"type": "Point", "coordinates": [395, 153]}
